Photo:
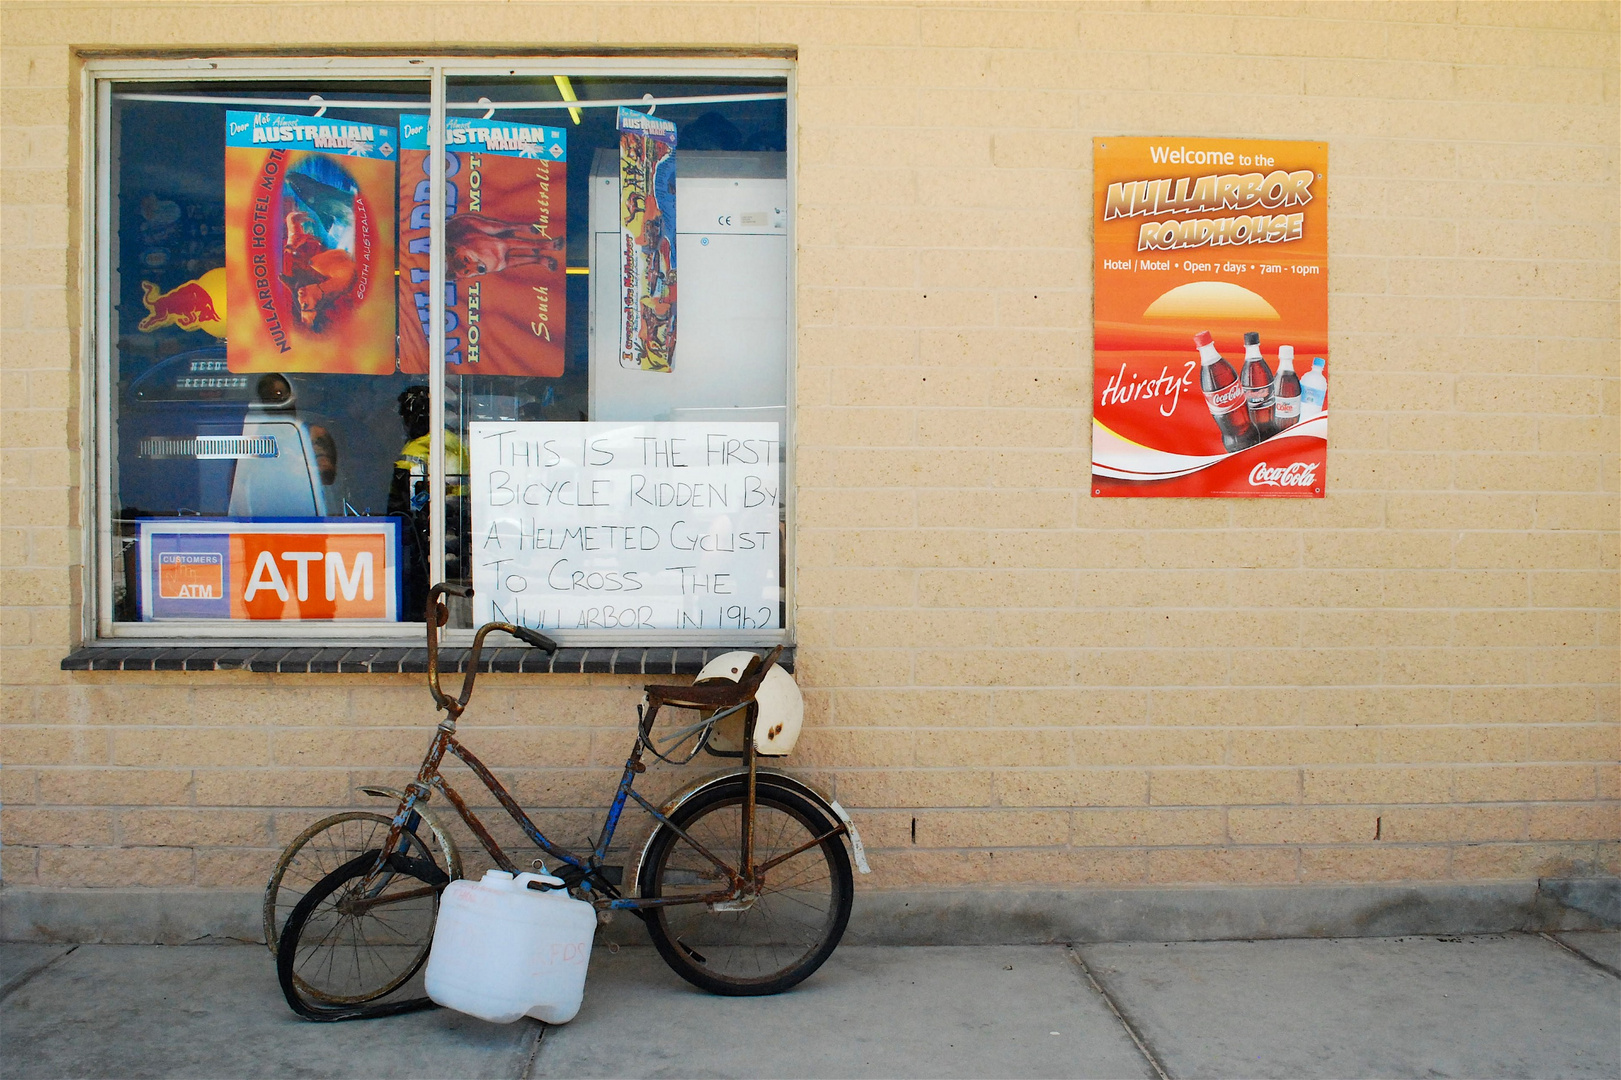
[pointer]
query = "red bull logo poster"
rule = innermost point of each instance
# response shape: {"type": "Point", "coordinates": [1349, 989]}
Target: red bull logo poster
{"type": "Point", "coordinates": [506, 246]}
{"type": "Point", "coordinates": [327, 569]}
{"type": "Point", "coordinates": [192, 305]}
{"type": "Point", "coordinates": [647, 241]}
{"type": "Point", "coordinates": [1210, 318]}
{"type": "Point", "coordinates": [309, 244]}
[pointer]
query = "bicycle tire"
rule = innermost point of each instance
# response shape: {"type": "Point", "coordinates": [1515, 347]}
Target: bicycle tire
{"type": "Point", "coordinates": [328, 844]}
{"type": "Point", "coordinates": [385, 951]}
{"type": "Point", "coordinates": [782, 936]}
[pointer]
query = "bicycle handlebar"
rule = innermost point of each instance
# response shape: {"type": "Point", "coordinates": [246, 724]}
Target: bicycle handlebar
{"type": "Point", "coordinates": [532, 637]}
{"type": "Point", "coordinates": [436, 616]}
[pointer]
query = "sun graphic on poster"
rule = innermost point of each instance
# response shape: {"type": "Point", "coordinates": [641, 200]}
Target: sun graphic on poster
{"type": "Point", "coordinates": [1211, 300]}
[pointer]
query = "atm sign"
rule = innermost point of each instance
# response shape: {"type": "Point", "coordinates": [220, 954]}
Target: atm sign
{"type": "Point", "coordinates": [325, 569]}
{"type": "Point", "coordinates": [309, 576]}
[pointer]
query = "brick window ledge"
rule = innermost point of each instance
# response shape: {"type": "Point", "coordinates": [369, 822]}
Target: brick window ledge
{"type": "Point", "coordinates": [632, 660]}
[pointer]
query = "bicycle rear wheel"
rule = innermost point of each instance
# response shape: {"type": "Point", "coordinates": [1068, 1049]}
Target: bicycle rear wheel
{"type": "Point", "coordinates": [358, 935]}
{"type": "Point", "coordinates": [762, 944]}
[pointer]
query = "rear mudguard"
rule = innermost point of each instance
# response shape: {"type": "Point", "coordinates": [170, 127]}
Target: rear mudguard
{"type": "Point", "coordinates": [447, 843]}
{"type": "Point", "coordinates": [830, 806]}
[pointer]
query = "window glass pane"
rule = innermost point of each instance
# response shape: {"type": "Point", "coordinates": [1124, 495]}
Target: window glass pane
{"type": "Point", "coordinates": [654, 324]}
{"type": "Point", "coordinates": [254, 396]}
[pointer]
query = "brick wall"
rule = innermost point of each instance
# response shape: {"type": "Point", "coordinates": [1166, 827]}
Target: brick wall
{"type": "Point", "coordinates": [1414, 678]}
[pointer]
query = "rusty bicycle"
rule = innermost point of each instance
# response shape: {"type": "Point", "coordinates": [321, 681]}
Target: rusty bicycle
{"type": "Point", "coordinates": [744, 883]}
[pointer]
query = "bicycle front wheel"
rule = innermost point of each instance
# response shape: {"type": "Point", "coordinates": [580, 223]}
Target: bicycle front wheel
{"type": "Point", "coordinates": [327, 845]}
{"type": "Point", "coordinates": [354, 937]}
{"type": "Point", "coordinates": [760, 944]}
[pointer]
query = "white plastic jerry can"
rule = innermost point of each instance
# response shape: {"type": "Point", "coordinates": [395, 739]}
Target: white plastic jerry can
{"type": "Point", "coordinates": [502, 950]}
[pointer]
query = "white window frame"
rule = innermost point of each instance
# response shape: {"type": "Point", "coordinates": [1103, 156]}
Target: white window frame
{"type": "Point", "coordinates": [95, 286]}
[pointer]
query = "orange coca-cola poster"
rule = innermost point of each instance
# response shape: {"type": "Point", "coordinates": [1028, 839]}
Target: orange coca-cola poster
{"type": "Point", "coordinates": [1210, 318]}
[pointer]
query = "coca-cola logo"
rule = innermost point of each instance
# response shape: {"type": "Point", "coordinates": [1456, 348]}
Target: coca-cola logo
{"type": "Point", "coordinates": [1227, 398]}
{"type": "Point", "coordinates": [1299, 474]}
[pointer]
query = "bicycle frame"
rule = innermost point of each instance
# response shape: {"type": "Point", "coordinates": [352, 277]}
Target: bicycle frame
{"type": "Point", "coordinates": [585, 871]}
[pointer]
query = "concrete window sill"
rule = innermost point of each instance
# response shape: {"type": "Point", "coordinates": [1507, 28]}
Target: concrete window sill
{"type": "Point", "coordinates": [634, 660]}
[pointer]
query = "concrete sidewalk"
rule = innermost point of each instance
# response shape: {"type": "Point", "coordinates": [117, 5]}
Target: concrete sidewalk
{"type": "Point", "coordinates": [1513, 1005]}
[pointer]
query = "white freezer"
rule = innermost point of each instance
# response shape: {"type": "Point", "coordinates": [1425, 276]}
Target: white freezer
{"type": "Point", "coordinates": [731, 261]}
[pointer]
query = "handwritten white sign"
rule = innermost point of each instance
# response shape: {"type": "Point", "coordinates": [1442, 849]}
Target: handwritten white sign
{"type": "Point", "coordinates": [621, 526]}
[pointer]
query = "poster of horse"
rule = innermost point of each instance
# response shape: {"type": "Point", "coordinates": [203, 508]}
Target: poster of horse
{"type": "Point", "coordinates": [506, 247]}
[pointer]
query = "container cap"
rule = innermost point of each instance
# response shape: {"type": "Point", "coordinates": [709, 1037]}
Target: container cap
{"type": "Point", "coordinates": [1202, 338]}
{"type": "Point", "coordinates": [1252, 338]}
{"type": "Point", "coordinates": [527, 880]}
{"type": "Point", "coordinates": [1318, 362]}
{"type": "Point", "coordinates": [1286, 352]}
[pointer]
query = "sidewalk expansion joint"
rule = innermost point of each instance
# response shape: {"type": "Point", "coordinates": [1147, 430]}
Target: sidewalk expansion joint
{"type": "Point", "coordinates": [1130, 1028]}
{"type": "Point", "coordinates": [1601, 965]}
{"type": "Point", "coordinates": [38, 969]}
{"type": "Point", "coordinates": [528, 1070]}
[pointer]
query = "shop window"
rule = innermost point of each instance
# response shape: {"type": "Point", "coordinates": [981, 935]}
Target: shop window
{"type": "Point", "coordinates": [544, 351]}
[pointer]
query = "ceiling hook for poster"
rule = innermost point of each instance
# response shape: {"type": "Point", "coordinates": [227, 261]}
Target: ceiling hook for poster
{"type": "Point", "coordinates": [651, 104]}
{"type": "Point", "coordinates": [490, 111]}
{"type": "Point", "coordinates": [317, 99]}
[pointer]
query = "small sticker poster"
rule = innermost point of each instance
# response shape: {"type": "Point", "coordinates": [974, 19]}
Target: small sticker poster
{"type": "Point", "coordinates": [506, 246]}
{"type": "Point", "coordinates": [309, 244]}
{"type": "Point", "coordinates": [1210, 318]}
{"type": "Point", "coordinates": [647, 241]}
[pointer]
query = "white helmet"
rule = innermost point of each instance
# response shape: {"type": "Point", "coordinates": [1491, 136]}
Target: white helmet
{"type": "Point", "coordinates": [782, 709]}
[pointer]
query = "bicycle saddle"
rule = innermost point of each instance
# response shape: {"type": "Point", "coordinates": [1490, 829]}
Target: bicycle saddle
{"type": "Point", "coordinates": [714, 695]}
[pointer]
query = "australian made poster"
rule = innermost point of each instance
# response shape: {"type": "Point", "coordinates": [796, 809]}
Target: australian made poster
{"type": "Point", "coordinates": [647, 241]}
{"type": "Point", "coordinates": [309, 244]}
{"type": "Point", "coordinates": [1210, 361]}
{"type": "Point", "coordinates": [506, 246]}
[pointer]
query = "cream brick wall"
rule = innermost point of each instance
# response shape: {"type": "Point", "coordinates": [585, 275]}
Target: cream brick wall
{"type": "Point", "coordinates": [1414, 678]}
